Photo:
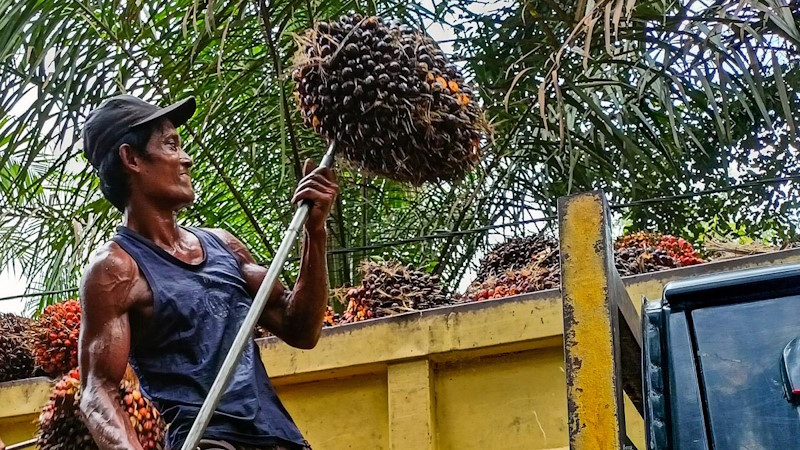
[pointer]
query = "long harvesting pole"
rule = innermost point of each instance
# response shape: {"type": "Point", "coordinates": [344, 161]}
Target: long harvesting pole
{"type": "Point", "coordinates": [245, 332]}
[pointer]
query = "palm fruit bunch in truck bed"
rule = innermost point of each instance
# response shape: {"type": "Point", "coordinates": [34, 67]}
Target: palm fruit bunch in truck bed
{"type": "Point", "coordinates": [61, 427]}
{"type": "Point", "coordinates": [54, 337]}
{"type": "Point", "coordinates": [389, 97]}
{"type": "Point", "coordinates": [638, 260]}
{"type": "Point", "coordinates": [516, 266]}
{"type": "Point", "coordinates": [512, 282]}
{"type": "Point", "coordinates": [331, 317]}
{"type": "Point", "coordinates": [16, 356]}
{"type": "Point", "coordinates": [391, 288]}
{"type": "Point", "coordinates": [643, 252]}
{"type": "Point", "coordinates": [518, 253]}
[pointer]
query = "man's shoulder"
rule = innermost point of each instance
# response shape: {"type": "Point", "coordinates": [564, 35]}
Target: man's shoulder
{"type": "Point", "coordinates": [226, 236]}
{"type": "Point", "coordinates": [111, 283]}
{"type": "Point", "coordinates": [234, 244]}
{"type": "Point", "coordinates": [108, 260]}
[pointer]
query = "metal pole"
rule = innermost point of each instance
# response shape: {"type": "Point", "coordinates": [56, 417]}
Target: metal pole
{"type": "Point", "coordinates": [245, 333]}
{"type": "Point", "coordinates": [21, 445]}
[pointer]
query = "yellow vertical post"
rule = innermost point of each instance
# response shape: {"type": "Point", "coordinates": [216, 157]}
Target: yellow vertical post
{"type": "Point", "coordinates": [591, 345]}
{"type": "Point", "coordinates": [411, 406]}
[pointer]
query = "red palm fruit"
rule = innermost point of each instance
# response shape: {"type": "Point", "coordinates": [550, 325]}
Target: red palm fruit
{"type": "Point", "coordinates": [54, 337]}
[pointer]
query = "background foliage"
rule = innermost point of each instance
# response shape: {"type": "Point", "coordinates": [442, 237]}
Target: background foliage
{"type": "Point", "coordinates": [640, 98]}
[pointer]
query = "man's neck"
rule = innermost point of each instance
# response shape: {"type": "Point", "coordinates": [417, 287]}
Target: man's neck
{"type": "Point", "coordinates": [157, 224]}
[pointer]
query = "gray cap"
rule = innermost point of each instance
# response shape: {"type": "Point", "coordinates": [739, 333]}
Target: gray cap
{"type": "Point", "coordinates": [117, 116]}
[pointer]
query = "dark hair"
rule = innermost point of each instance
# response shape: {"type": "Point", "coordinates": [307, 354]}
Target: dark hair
{"type": "Point", "coordinates": [113, 180]}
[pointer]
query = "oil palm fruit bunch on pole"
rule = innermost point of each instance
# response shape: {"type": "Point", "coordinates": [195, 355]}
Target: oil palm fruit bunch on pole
{"type": "Point", "coordinates": [392, 288]}
{"type": "Point", "coordinates": [389, 98]}
{"type": "Point", "coordinates": [54, 337]}
{"type": "Point", "coordinates": [61, 427]}
{"type": "Point", "coordinates": [16, 356]}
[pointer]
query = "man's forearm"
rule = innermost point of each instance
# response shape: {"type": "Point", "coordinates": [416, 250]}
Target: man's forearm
{"type": "Point", "coordinates": [310, 294]}
{"type": "Point", "coordinates": [107, 421]}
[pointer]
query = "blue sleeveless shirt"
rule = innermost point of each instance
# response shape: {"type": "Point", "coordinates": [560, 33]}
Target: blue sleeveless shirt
{"type": "Point", "coordinates": [197, 311]}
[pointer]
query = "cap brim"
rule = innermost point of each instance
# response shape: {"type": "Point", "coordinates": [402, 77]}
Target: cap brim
{"type": "Point", "coordinates": [178, 113]}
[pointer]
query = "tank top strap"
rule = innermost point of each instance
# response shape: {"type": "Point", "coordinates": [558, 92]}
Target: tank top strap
{"type": "Point", "coordinates": [213, 242]}
{"type": "Point", "coordinates": [140, 256]}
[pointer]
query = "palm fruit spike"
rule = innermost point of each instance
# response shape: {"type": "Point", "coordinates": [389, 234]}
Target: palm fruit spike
{"type": "Point", "coordinates": [637, 239]}
{"type": "Point", "coordinates": [392, 288]}
{"type": "Point", "coordinates": [61, 428]}
{"type": "Point", "coordinates": [55, 337]}
{"type": "Point", "coordinates": [16, 356]}
{"type": "Point", "coordinates": [390, 100]}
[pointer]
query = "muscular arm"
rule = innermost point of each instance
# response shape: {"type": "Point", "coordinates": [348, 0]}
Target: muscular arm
{"type": "Point", "coordinates": [108, 284]}
{"type": "Point", "coordinates": [294, 316]}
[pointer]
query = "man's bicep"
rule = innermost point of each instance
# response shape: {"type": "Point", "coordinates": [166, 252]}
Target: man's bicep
{"type": "Point", "coordinates": [272, 317]}
{"type": "Point", "coordinates": [104, 343]}
{"type": "Point", "coordinates": [252, 272]}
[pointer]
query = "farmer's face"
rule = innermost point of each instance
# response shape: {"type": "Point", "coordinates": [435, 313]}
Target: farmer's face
{"type": "Point", "coordinates": [165, 174]}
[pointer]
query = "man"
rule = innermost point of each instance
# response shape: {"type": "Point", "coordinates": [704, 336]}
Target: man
{"type": "Point", "coordinates": [170, 299]}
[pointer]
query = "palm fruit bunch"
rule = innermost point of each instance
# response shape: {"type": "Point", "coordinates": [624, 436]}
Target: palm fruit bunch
{"type": "Point", "coordinates": [61, 427]}
{"type": "Point", "coordinates": [391, 288]}
{"type": "Point", "coordinates": [16, 356]}
{"type": "Point", "coordinates": [331, 317]}
{"type": "Point", "coordinates": [519, 253]}
{"type": "Point", "coordinates": [54, 337]}
{"type": "Point", "coordinates": [638, 260]}
{"type": "Point", "coordinates": [532, 278]}
{"type": "Point", "coordinates": [145, 419]}
{"type": "Point", "coordinates": [389, 98]}
{"type": "Point", "coordinates": [679, 249]}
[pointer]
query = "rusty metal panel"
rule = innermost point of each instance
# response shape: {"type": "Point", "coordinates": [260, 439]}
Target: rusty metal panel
{"type": "Point", "coordinates": [591, 324]}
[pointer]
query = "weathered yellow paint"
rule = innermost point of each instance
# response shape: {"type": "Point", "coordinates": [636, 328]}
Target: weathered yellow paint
{"type": "Point", "coordinates": [23, 397]}
{"type": "Point", "coordinates": [590, 358]}
{"type": "Point", "coordinates": [14, 430]}
{"type": "Point", "coordinates": [346, 413]}
{"type": "Point", "coordinates": [20, 404]}
{"type": "Point", "coordinates": [511, 324]}
{"type": "Point", "coordinates": [515, 401]}
{"type": "Point", "coordinates": [411, 406]}
{"type": "Point", "coordinates": [634, 424]}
